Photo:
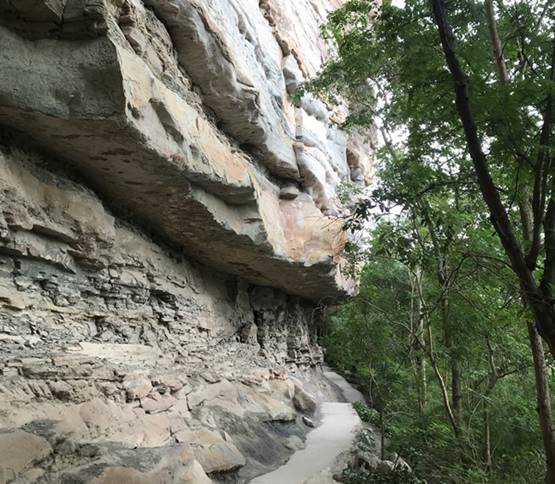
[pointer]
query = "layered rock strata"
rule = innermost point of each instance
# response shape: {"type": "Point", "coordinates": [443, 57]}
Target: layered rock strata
{"type": "Point", "coordinates": [168, 230]}
{"type": "Point", "coordinates": [181, 112]}
{"type": "Point", "coordinates": [118, 352]}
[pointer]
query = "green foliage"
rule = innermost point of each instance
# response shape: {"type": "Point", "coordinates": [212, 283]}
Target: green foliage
{"type": "Point", "coordinates": [381, 475]}
{"type": "Point", "coordinates": [438, 298]}
{"type": "Point", "coordinates": [370, 337]}
{"type": "Point", "coordinates": [367, 414]}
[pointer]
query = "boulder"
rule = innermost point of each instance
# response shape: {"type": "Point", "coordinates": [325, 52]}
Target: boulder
{"type": "Point", "coordinates": [219, 457]}
{"type": "Point", "coordinates": [154, 430]}
{"type": "Point", "coordinates": [304, 401]}
{"type": "Point", "coordinates": [137, 388]}
{"type": "Point", "coordinates": [294, 443]}
{"type": "Point", "coordinates": [167, 382]}
{"type": "Point", "coordinates": [177, 466]}
{"type": "Point", "coordinates": [117, 475]}
{"type": "Point", "coordinates": [289, 192]}
{"type": "Point", "coordinates": [223, 390]}
{"type": "Point", "coordinates": [215, 451]}
{"type": "Point", "coordinates": [61, 390]}
{"type": "Point", "coordinates": [308, 422]}
{"type": "Point", "coordinates": [19, 450]}
{"type": "Point", "coordinates": [277, 410]}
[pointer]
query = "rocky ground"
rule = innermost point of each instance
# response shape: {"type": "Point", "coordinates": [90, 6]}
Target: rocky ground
{"type": "Point", "coordinates": [108, 413]}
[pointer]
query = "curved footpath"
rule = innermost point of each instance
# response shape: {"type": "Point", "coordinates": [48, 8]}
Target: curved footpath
{"type": "Point", "coordinates": [350, 393]}
{"type": "Point", "coordinates": [324, 445]}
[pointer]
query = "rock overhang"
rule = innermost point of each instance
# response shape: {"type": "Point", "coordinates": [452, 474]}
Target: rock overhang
{"type": "Point", "coordinates": [143, 140]}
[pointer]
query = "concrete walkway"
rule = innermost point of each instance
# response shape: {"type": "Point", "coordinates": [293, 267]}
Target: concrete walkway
{"type": "Point", "coordinates": [324, 444]}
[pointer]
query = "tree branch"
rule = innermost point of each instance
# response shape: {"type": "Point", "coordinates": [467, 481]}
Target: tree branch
{"type": "Point", "coordinates": [496, 42]}
{"type": "Point", "coordinates": [544, 154]}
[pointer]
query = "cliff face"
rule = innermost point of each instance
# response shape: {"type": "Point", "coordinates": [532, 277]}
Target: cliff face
{"type": "Point", "coordinates": [167, 227]}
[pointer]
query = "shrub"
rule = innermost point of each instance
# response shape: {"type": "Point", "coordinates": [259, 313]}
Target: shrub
{"type": "Point", "coordinates": [367, 414]}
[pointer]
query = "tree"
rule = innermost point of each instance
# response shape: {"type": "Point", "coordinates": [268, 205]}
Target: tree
{"type": "Point", "coordinates": [372, 337]}
{"type": "Point", "coordinates": [538, 297]}
{"type": "Point", "coordinates": [392, 70]}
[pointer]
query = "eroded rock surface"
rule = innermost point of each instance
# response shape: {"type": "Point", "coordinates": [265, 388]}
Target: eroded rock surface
{"type": "Point", "coordinates": [180, 113]}
{"type": "Point", "coordinates": [168, 231]}
{"type": "Point", "coordinates": [117, 352]}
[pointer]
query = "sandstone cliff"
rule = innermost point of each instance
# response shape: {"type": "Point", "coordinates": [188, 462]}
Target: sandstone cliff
{"type": "Point", "coordinates": [168, 228]}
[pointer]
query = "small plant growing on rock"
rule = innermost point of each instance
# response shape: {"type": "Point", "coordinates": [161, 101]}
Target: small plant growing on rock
{"type": "Point", "coordinates": [367, 415]}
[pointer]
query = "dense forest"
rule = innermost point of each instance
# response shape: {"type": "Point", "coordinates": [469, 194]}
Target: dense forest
{"type": "Point", "coordinates": [452, 335]}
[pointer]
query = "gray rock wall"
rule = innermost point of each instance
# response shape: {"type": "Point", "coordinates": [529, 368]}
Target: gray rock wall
{"type": "Point", "coordinates": [71, 266]}
{"type": "Point", "coordinates": [114, 348]}
{"type": "Point", "coordinates": [168, 230]}
{"type": "Point", "coordinates": [181, 112]}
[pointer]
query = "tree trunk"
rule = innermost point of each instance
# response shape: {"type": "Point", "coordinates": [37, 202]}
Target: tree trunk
{"type": "Point", "coordinates": [487, 440]}
{"type": "Point", "coordinates": [445, 396]}
{"type": "Point", "coordinates": [456, 390]}
{"type": "Point", "coordinates": [544, 401]}
{"type": "Point", "coordinates": [496, 42]}
{"type": "Point", "coordinates": [418, 343]}
{"type": "Point", "coordinates": [422, 369]}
